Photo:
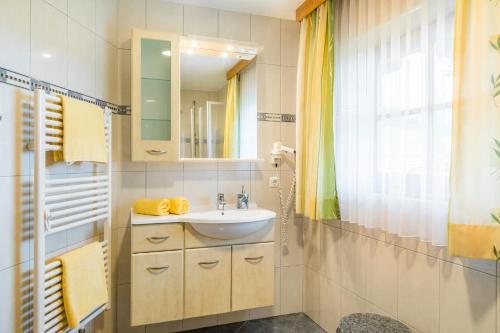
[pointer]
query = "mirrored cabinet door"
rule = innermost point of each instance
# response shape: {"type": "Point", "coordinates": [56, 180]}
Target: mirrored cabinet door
{"type": "Point", "coordinates": [155, 96]}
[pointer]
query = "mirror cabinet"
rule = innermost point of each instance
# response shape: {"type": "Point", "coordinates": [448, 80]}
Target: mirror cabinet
{"type": "Point", "coordinates": [193, 98]}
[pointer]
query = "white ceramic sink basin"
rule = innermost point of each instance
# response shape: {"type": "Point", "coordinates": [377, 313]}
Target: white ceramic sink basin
{"type": "Point", "coordinates": [229, 224]}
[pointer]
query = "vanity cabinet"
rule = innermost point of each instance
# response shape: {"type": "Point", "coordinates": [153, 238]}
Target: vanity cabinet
{"type": "Point", "coordinates": [207, 287]}
{"type": "Point", "coordinates": [176, 275]}
{"type": "Point", "coordinates": [155, 96]}
{"type": "Point", "coordinates": [252, 276]}
{"type": "Point", "coordinates": [156, 282]}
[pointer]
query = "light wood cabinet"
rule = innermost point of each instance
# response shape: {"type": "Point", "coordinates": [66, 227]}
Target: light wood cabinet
{"type": "Point", "coordinates": [155, 96]}
{"type": "Point", "coordinates": [252, 276]}
{"type": "Point", "coordinates": [157, 237]}
{"type": "Point", "coordinates": [207, 281]}
{"type": "Point", "coordinates": [156, 282]}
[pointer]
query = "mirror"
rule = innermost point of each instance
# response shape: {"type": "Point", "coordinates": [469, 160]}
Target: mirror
{"type": "Point", "coordinates": [218, 99]}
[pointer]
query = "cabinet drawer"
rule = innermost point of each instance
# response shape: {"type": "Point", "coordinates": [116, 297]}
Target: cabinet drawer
{"type": "Point", "coordinates": [157, 237]}
{"type": "Point", "coordinates": [207, 281]}
{"type": "Point", "coordinates": [252, 276]}
{"type": "Point", "coordinates": [156, 294]}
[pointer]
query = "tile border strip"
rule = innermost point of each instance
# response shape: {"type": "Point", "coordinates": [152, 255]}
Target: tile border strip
{"type": "Point", "coordinates": [30, 83]}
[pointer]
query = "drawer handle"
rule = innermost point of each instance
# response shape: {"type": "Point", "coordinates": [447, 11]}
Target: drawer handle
{"type": "Point", "coordinates": [157, 239]}
{"type": "Point", "coordinates": [259, 258]}
{"type": "Point", "coordinates": [208, 263]}
{"type": "Point", "coordinates": [157, 270]}
{"type": "Point", "coordinates": [156, 152]}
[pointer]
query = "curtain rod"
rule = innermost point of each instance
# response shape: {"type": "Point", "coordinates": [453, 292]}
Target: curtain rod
{"type": "Point", "coordinates": [306, 8]}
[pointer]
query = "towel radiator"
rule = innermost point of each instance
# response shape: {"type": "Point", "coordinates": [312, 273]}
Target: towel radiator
{"type": "Point", "coordinates": [62, 204]}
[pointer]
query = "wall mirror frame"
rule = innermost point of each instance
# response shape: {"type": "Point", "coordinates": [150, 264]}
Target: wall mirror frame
{"type": "Point", "coordinates": [215, 75]}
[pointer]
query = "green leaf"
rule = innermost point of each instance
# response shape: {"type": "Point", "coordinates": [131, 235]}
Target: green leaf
{"type": "Point", "coordinates": [493, 45]}
{"type": "Point", "coordinates": [497, 152]}
{"type": "Point", "coordinates": [495, 218]}
{"type": "Point", "coordinates": [497, 142]}
{"type": "Point", "coordinates": [496, 93]}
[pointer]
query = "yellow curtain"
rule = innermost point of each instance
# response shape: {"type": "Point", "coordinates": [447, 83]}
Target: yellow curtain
{"type": "Point", "coordinates": [232, 123]}
{"type": "Point", "coordinates": [474, 217]}
{"type": "Point", "coordinates": [316, 186]}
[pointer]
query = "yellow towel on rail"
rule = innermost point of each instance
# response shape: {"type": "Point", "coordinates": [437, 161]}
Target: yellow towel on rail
{"type": "Point", "coordinates": [83, 132]}
{"type": "Point", "coordinates": [83, 282]}
{"type": "Point", "coordinates": [157, 207]}
{"type": "Point", "coordinates": [179, 206]}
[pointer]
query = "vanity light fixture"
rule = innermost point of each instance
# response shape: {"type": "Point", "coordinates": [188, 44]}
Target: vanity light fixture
{"type": "Point", "coordinates": [230, 48]}
{"type": "Point", "coordinates": [166, 53]}
{"type": "Point", "coordinates": [225, 54]}
{"type": "Point", "coordinates": [194, 44]}
{"type": "Point", "coordinates": [47, 55]}
{"type": "Point", "coordinates": [190, 51]}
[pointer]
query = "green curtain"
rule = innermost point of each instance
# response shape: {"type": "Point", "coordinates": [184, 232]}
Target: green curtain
{"type": "Point", "coordinates": [316, 179]}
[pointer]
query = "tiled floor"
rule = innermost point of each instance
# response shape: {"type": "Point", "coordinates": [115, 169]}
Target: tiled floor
{"type": "Point", "coordinates": [294, 323]}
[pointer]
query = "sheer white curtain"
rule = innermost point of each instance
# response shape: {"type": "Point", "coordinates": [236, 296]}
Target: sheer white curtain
{"type": "Point", "coordinates": [393, 90]}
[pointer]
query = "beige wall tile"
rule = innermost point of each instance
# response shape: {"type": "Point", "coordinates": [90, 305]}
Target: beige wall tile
{"type": "Point", "coordinates": [351, 303]}
{"type": "Point", "coordinates": [83, 12]}
{"type": "Point", "coordinates": [164, 16]}
{"type": "Point", "coordinates": [268, 88]}
{"type": "Point", "coordinates": [201, 187]}
{"type": "Point", "coordinates": [293, 253]}
{"type": "Point", "coordinates": [106, 21]}
{"type": "Point", "coordinates": [353, 263]}
{"type": "Point", "coordinates": [131, 14]}
{"type": "Point", "coordinates": [288, 89]}
{"type": "Point", "coordinates": [230, 183]}
{"type": "Point", "coordinates": [312, 239]}
{"type": "Point", "coordinates": [311, 305]}
{"type": "Point", "coordinates": [329, 304]}
{"type": "Point", "coordinates": [467, 300]}
{"type": "Point", "coordinates": [167, 184]}
{"type": "Point", "coordinates": [382, 275]}
{"type": "Point", "coordinates": [291, 291]}
{"type": "Point", "coordinates": [331, 252]}
{"type": "Point", "coordinates": [49, 48]}
{"type": "Point", "coordinates": [15, 34]}
{"type": "Point", "coordinates": [81, 59]}
{"type": "Point", "coordinates": [290, 32]}
{"type": "Point", "coordinates": [200, 21]}
{"type": "Point", "coordinates": [106, 71]}
{"type": "Point", "coordinates": [14, 310]}
{"type": "Point", "coordinates": [418, 291]}
{"type": "Point", "coordinates": [129, 186]}
{"type": "Point", "coordinates": [266, 32]}
{"type": "Point", "coordinates": [121, 146]}
{"type": "Point", "coordinates": [234, 26]}
{"type": "Point", "coordinates": [124, 63]}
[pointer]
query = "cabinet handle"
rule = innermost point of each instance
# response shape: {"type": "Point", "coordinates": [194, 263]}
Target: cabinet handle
{"type": "Point", "coordinates": [157, 270]}
{"type": "Point", "coordinates": [157, 239]}
{"type": "Point", "coordinates": [254, 258]}
{"type": "Point", "coordinates": [156, 152]}
{"type": "Point", "coordinates": [203, 263]}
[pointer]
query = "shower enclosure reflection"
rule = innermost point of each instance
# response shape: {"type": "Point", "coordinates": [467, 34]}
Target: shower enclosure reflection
{"type": "Point", "coordinates": [218, 99]}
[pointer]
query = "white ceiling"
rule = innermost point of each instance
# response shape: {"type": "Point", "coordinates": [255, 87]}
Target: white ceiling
{"type": "Point", "coordinates": [275, 8]}
{"type": "Point", "coordinates": [204, 73]}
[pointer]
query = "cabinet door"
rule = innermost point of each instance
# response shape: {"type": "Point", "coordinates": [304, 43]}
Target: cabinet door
{"type": "Point", "coordinates": [156, 294]}
{"type": "Point", "coordinates": [207, 281]}
{"type": "Point", "coordinates": [253, 276]}
{"type": "Point", "coordinates": [155, 96]}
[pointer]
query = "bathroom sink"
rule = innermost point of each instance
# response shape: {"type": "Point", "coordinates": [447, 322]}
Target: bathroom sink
{"type": "Point", "coordinates": [229, 224]}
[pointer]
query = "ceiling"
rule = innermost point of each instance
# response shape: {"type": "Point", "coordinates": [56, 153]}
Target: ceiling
{"type": "Point", "coordinates": [276, 8]}
{"type": "Point", "coordinates": [204, 73]}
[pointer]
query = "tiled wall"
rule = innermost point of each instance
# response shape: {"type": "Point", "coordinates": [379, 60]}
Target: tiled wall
{"type": "Point", "coordinates": [84, 46]}
{"type": "Point", "coordinates": [349, 269]}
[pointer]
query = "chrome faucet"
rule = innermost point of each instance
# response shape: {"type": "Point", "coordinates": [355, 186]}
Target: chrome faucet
{"type": "Point", "coordinates": [220, 201]}
{"type": "Point", "coordinates": [242, 199]}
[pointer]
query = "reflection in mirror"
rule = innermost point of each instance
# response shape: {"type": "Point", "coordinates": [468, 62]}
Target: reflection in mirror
{"type": "Point", "coordinates": [218, 100]}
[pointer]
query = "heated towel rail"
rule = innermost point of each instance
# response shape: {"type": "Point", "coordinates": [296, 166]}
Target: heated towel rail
{"type": "Point", "coordinates": [62, 204]}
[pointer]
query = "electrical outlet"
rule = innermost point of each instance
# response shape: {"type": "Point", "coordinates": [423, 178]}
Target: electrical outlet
{"type": "Point", "coordinates": [274, 181]}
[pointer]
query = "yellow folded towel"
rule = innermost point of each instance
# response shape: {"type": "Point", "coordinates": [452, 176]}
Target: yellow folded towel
{"type": "Point", "coordinates": [152, 206]}
{"type": "Point", "coordinates": [179, 206]}
{"type": "Point", "coordinates": [83, 132]}
{"type": "Point", "coordinates": [83, 282]}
